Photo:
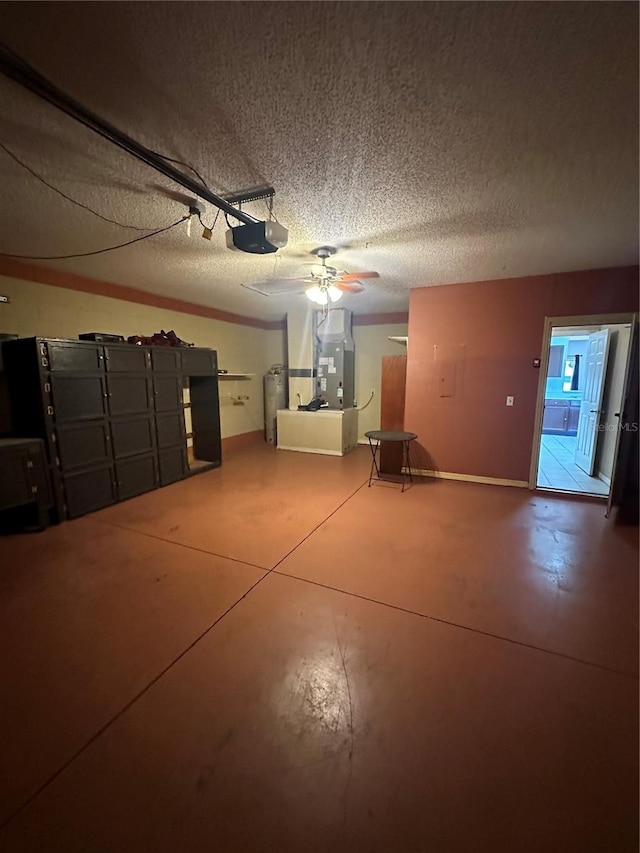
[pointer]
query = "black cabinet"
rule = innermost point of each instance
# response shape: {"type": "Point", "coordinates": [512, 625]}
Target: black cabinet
{"type": "Point", "coordinates": [167, 392]}
{"type": "Point", "coordinates": [75, 397]}
{"type": "Point", "coordinates": [136, 475]}
{"type": "Point", "coordinates": [132, 436]}
{"type": "Point", "coordinates": [110, 416]}
{"type": "Point", "coordinates": [166, 360]}
{"type": "Point", "coordinates": [69, 355]}
{"type": "Point", "coordinates": [82, 445]}
{"type": "Point", "coordinates": [129, 393]}
{"type": "Point", "coordinates": [88, 490]}
{"type": "Point", "coordinates": [204, 415]}
{"type": "Point", "coordinates": [170, 429]}
{"type": "Point", "coordinates": [199, 362]}
{"type": "Point", "coordinates": [131, 360]}
{"type": "Point", "coordinates": [23, 477]}
{"type": "Point", "coordinates": [173, 465]}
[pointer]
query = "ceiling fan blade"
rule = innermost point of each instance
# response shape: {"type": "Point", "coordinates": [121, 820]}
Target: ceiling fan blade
{"type": "Point", "coordinates": [356, 276]}
{"type": "Point", "coordinates": [350, 286]}
{"type": "Point", "coordinates": [276, 287]}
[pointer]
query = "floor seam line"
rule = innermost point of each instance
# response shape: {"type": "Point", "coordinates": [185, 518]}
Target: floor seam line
{"type": "Point", "coordinates": [181, 544]}
{"type": "Point", "coordinates": [94, 737]}
{"type": "Point", "coordinates": [479, 631]}
{"type": "Point", "coordinates": [317, 527]}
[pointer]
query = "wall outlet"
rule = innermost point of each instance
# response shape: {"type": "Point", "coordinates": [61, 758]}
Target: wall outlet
{"type": "Point", "coordinates": [509, 401]}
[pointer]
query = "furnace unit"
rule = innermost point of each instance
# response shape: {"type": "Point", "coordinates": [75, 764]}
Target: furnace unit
{"type": "Point", "coordinates": [335, 358]}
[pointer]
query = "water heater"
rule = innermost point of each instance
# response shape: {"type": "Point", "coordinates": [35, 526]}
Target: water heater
{"type": "Point", "coordinates": [275, 397]}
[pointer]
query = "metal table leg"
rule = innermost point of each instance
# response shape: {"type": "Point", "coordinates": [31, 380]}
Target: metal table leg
{"type": "Point", "coordinates": [406, 446]}
{"type": "Point", "coordinates": [374, 464]}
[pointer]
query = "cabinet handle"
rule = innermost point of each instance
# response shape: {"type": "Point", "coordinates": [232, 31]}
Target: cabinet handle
{"type": "Point", "coordinates": [29, 463]}
{"type": "Point", "coordinates": [34, 489]}
{"type": "Point", "coordinates": [45, 362]}
{"type": "Point", "coordinates": [47, 387]}
{"type": "Point", "coordinates": [49, 410]}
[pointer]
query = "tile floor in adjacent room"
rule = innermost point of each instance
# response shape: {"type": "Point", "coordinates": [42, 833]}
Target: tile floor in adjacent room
{"type": "Point", "coordinates": [274, 657]}
{"type": "Point", "coordinates": [557, 470]}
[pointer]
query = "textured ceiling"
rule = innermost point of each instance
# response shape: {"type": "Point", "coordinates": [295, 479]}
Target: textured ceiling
{"type": "Point", "coordinates": [436, 142]}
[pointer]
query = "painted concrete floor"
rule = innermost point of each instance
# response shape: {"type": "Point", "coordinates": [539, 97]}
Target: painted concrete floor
{"type": "Point", "coordinates": [557, 470]}
{"type": "Point", "coordinates": [274, 657]}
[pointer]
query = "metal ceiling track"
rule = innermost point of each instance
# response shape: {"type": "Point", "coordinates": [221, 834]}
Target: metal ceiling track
{"type": "Point", "coordinates": [251, 194]}
{"type": "Point", "coordinates": [14, 67]}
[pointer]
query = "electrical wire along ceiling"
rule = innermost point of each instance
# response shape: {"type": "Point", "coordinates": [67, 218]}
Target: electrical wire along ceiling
{"type": "Point", "coordinates": [426, 143]}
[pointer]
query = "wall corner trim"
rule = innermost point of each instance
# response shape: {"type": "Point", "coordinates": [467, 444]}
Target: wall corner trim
{"type": "Point", "coordinates": [391, 319]}
{"type": "Point", "coordinates": [13, 268]}
{"type": "Point", "coordinates": [470, 478]}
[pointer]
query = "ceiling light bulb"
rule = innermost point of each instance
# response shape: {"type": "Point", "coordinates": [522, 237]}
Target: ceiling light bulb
{"type": "Point", "coordinates": [317, 294]}
{"type": "Point", "coordinates": [334, 293]}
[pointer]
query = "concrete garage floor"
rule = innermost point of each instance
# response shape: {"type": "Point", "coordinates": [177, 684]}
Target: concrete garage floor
{"type": "Point", "coordinates": [274, 657]}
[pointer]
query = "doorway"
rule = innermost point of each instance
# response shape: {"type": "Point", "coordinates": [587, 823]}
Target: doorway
{"type": "Point", "coordinates": [580, 398]}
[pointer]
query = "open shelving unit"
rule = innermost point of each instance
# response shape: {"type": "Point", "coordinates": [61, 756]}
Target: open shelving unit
{"type": "Point", "coordinates": [235, 399]}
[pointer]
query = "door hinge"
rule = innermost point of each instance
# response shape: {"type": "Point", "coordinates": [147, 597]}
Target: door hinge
{"type": "Point", "coordinates": [34, 489]}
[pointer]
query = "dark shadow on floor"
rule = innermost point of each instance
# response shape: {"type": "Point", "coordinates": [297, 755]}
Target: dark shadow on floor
{"type": "Point", "coordinates": [422, 460]}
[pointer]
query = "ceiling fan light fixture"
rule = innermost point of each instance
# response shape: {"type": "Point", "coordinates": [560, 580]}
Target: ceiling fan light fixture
{"type": "Point", "coordinates": [317, 294]}
{"type": "Point", "coordinates": [321, 294]}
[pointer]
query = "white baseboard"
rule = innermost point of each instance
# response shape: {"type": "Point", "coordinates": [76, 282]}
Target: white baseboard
{"type": "Point", "coordinates": [313, 450]}
{"type": "Point", "coordinates": [606, 480]}
{"type": "Point", "coordinates": [470, 478]}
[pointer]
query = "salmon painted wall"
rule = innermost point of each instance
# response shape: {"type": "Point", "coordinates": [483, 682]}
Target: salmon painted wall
{"type": "Point", "coordinates": [497, 327]}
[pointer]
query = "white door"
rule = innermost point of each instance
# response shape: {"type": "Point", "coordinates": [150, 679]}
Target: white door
{"type": "Point", "coordinates": [621, 459]}
{"type": "Point", "coordinates": [591, 404]}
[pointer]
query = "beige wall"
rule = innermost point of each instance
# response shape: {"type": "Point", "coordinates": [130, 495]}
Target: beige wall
{"type": "Point", "coordinates": [46, 311]}
{"type": "Point", "coordinates": [372, 342]}
{"type": "Point", "coordinates": [39, 309]}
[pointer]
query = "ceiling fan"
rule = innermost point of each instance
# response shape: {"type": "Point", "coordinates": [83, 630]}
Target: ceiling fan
{"type": "Point", "coordinates": [323, 285]}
